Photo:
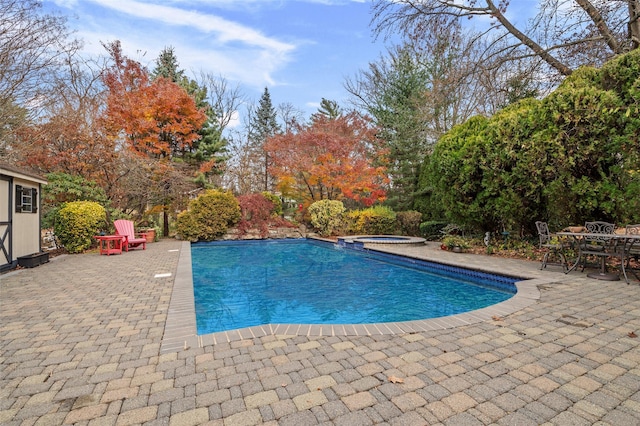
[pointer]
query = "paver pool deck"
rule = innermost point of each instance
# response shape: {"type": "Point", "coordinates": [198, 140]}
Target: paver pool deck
{"type": "Point", "coordinates": [85, 339]}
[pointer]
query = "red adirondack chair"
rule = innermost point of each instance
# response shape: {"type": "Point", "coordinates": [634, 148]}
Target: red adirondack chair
{"type": "Point", "coordinates": [131, 238]}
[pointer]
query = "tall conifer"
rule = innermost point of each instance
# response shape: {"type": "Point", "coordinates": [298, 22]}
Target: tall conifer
{"type": "Point", "coordinates": [263, 125]}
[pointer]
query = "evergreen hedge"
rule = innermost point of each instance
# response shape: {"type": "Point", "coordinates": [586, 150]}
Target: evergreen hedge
{"type": "Point", "coordinates": [571, 157]}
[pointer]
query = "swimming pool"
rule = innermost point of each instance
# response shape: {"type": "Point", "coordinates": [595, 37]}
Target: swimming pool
{"type": "Point", "coordinates": [248, 283]}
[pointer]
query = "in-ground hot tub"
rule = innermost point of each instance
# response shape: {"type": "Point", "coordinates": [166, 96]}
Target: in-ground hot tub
{"type": "Point", "coordinates": [361, 240]}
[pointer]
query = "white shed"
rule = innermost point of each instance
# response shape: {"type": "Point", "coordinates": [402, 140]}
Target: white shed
{"type": "Point", "coordinates": [20, 195]}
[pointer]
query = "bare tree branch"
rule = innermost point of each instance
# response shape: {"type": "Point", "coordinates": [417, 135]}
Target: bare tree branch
{"type": "Point", "coordinates": [224, 100]}
{"type": "Point", "coordinates": [597, 18]}
{"type": "Point", "coordinates": [565, 34]}
{"type": "Point", "coordinates": [33, 46]}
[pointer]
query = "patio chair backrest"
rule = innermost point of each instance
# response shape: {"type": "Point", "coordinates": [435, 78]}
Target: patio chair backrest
{"type": "Point", "coordinates": [543, 232]}
{"type": "Point", "coordinates": [632, 229]}
{"type": "Point", "coordinates": [124, 228]}
{"type": "Point", "coordinates": [600, 227]}
{"type": "Point", "coordinates": [635, 245]}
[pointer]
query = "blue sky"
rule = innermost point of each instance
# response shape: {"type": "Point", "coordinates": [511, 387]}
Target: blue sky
{"type": "Point", "coordinates": [302, 50]}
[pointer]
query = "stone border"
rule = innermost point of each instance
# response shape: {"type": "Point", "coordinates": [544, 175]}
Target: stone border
{"type": "Point", "coordinates": [181, 333]}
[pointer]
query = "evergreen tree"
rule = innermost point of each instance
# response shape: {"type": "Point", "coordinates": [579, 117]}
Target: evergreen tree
{"type": "Point", "coordinates": [399, 112]}
{"type": "Point", "coordinates": [328, 110]}
{"type": "Point", "coordinates": [263, 125]}
{"type": "Point", "coordinates": [167, 66]}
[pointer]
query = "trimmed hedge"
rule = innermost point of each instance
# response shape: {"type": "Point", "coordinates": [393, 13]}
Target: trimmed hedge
{"type": "Point", "coordinates": [77, 222]}
{"type": "Point", "coordinates": [431, 230]}
{"type": "Point", "coordinates": [209, 216]}
{"type": "Point", "coordinates": [372, 221]}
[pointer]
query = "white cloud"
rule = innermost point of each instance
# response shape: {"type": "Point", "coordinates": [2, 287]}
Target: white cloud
{"type": "Point", "coordinates": [202, 41]}
{"type": "Point", "coordinates": [280, 44]}
{"type": "Point", "coordinates": [235, 120]}
{"type": "Point", "coordinates": [226, 31]}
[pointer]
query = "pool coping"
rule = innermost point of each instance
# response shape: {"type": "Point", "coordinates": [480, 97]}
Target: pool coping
{"type": "Point", "coordinates": [372, 239]}
{"type": "Point", "coordinates": [181, 333]}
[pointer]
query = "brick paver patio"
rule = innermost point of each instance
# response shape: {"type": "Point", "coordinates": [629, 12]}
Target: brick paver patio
{"type": "Point", "coordinates": [81, 339]}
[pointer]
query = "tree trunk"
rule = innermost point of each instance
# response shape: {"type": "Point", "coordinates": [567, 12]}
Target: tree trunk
{"type": "Point", "coordinates": [165, 221]}
{"type": "Point", "coordinates": [634, 23]}
{"type": "Point", "coordinates": [601, 25]}
{"type": "Point", "coordinates": [537, 49]}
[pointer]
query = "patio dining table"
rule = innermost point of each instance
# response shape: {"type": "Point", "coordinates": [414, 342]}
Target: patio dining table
{"type": "Point", "coordinates": [602, 245]}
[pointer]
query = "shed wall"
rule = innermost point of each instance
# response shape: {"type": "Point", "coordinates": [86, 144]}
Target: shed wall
{"type": "Point", "coordinates": [26, 226]}
{"type": "Point", "coordinates": [5, 205]}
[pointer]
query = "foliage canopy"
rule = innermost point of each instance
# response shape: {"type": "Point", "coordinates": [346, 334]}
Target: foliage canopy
{"type": "Point", "coordinates": [329, 159]}
{"type": "Point", "coordinates": [571, 157]}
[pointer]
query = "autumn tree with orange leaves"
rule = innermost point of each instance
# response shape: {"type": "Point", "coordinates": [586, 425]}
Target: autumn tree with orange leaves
{"type": "Point", "coordinates": [331, 158]}
{"type": "Point", "coordinates": [155, 119]}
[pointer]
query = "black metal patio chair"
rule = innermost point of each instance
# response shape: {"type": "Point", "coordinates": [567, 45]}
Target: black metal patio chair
{"type": "Point", "coordinates": [634, 251]}
{"type": "Point", "coordinates": [595, 245]}
{"type": "Point", "coordinates": [551, 247]}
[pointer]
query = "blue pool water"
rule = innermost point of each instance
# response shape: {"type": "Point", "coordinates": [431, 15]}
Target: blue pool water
{"type": "Point", "coordinates": [248, 283]}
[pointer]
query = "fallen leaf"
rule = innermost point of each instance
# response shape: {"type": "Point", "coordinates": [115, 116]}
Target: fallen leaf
{"type": "Point", "coordinates": [497, 318]}
{"type": "Point", "coordinates": [394, 379]}
{"type": "Point", "coordinates": [632, 334]}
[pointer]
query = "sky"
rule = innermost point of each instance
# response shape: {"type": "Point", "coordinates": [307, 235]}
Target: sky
{"type": "Point", "coordinates": [301, 50]}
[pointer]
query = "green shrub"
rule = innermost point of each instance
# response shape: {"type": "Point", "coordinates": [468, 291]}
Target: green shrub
{"type": "Point", "coordinates": [187, 226]}
{"type": "Point", "coordinates": [209, 216]}
{"type": "Point", "coordinates": [63, 188]}
{"type": "Point", "coordinates": [276, 201]}
{"type": "Point", "coordinates": [409, 222]}
{"type": "Point", "coordinates": [77, 222]}
{"type": "Point", "coordinates": [326, 216]}
{"type": "Point", "coordinates": [452, 241]}
{"type": "Point", "coordinates": [372, 221]}
{"type": "Point", "coordinates": [431, 230]}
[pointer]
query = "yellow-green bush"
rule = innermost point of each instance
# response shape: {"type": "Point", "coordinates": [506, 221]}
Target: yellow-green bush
{"type": "Point", "coordinates": [326, 216]}
{"type": "Point", "coordinates": [77, 222]}
{"type": "Point", "coordinates": [209, 216]}
{"type": "Point", "coordinates": [372, 221]}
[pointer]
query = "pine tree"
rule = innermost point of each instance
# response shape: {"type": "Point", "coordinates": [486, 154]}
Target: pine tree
{"type": "Point", "coordinates": [263, 125]}
{"type": "Point", "coordinates": [167, 66]}
{"type": "Point", "coordinates": [328, 109]}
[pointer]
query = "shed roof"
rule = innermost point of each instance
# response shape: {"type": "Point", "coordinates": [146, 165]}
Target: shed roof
{"type": "Point", "coordinates": [19, 172]}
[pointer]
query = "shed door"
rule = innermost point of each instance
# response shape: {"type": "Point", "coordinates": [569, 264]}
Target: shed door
{"type": "Point", "coordinates": [6, 203]}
